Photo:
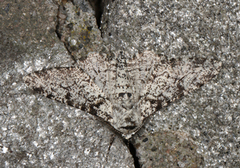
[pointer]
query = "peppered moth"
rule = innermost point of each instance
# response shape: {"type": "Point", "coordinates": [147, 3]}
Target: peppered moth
{"type": "Point", "coordinates": [123, 91]}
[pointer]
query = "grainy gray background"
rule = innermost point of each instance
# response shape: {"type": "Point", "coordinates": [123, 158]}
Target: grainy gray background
{"type": "Point", "coordinates": [201, 128]}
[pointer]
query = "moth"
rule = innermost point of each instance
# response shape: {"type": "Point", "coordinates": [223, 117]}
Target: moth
{"type": "Point", "coordinates": [123, 91]}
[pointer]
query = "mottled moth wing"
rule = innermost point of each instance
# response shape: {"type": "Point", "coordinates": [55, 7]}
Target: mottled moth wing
{"type": "Point", "coordinates": [97, 68]}
{"type": "Point", "coordinates": [104, 73]}
{"type": "Point", "coordinates": [170, 80]}
{"type": "Point", "coordinates": [73, 87]}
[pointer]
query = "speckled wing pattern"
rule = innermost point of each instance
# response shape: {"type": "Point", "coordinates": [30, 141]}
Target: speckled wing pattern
{"type": "Point", "coordinates": [71, 86]}
{"type": "Point", "coordinates": [123, 91]}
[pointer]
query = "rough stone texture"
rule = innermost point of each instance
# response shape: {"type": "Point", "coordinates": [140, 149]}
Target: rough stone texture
{"type": "Point", "coordinates": [77, 28]}
{"type": "Point", "coordinates": [167, 149]}
{"type": "Point", "coordinates": [211, 115]}
{"type": "Point", "coordinates": [175, 29]}
{"type": "Point", "coordinates": [35, 131]}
